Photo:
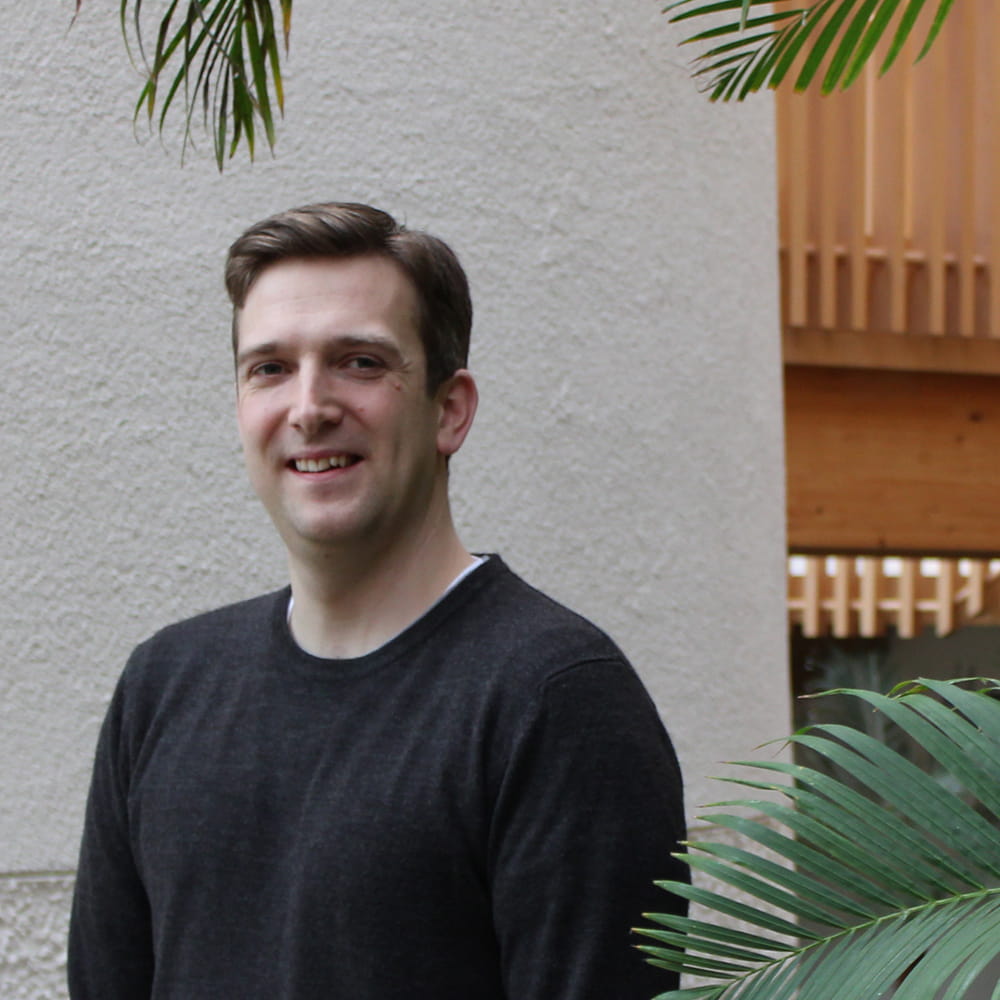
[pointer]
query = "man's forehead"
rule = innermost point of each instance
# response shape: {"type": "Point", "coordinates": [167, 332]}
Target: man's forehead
{"type": "Point", "coordinates": [364, 274]}
{"type": "Point", "coordinates": [364, 290]}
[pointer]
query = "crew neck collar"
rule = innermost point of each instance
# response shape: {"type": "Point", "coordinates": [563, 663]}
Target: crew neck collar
{"type": "Point", "coordinates": [299, 661]}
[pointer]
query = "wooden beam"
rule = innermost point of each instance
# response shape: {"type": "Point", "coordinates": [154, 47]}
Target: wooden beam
{"type": "Point", "coordinates": [887, 461]}
{"type": "Point", "coordinates": [891, 351]}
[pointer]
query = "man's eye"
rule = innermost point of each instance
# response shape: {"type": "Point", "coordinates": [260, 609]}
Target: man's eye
{"type": "Point", "coordinates": [266, 369]}
{"type": "Point", "coordinates": [365, 363]}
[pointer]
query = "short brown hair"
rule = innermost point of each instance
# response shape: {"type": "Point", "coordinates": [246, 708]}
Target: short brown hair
{"type": "Point", "coordinates": [345, 229]}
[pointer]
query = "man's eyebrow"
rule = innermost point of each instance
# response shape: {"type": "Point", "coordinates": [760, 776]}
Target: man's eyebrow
{"type": "Point", "coordinates": [367, 340]}
{"type": "Point", "coordinates": [253, 352]}
{"type": "Point", "coordinates": [340, 341]}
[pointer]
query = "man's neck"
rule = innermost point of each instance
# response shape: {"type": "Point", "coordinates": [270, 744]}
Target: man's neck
{"type": "Point", "coordinates": [348, 604]}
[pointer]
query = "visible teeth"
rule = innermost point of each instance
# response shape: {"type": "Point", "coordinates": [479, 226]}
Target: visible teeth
{"type": "Point", "coordinates": [321, 464]}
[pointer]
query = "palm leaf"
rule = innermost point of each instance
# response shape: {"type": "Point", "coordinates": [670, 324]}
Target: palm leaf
{"type": "Point", "coordinates": [843, 34]}
{"type": "Point", "coordinates": [222, 58]}
{"type": "Point", "coordinates": [896, 888]}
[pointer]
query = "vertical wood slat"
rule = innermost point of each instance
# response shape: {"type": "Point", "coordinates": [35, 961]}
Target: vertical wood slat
{"type": "Point", "coordinates": [906, 621]}
{"type": "Point", "coordinates": [966, 15]}
{"type": "Point", "coordinates": [992, 207]}
{"type": "Point", "coordinates": [944, 611]}
{"type": "Point", "coordinates": [798, 206]}
{"type": "Point", "coordinates": [910, 113]}
{"type": "Point", "coordinates": [785, 180]}
{"type": "Point", "coordinates": [936, 203]}
{"type": "Point", "coordinates": [871, 578]}
{"type": "Point", "coordinates": [831, 178]}
{"type": "Point", "coordinates": [861, 220]}
{"type": "Point", "coordinates": [974, 587]}
{"type": "Point", "coordinates": [812, 596]}
{"type": "Point", "coordinates": [842, 573]}
{"type": "Point", "coordinates": [902, 198]}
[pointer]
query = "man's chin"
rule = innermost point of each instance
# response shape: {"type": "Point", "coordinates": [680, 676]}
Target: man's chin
{"type": "Point", "coordinates": [322, 536]}
{"type": "Point", "coordinates": [344, 530]}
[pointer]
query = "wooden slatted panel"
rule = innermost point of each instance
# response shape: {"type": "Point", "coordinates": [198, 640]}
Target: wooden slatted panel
{"type": "Point", "coordinates": [890, 214]}
{"type": "Point", "coordinates": [848, 595]}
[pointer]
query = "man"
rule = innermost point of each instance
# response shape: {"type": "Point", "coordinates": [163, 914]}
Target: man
{"type": "Point", "coordinates": [409, 774]}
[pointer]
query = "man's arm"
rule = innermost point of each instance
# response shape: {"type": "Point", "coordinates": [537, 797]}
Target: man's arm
{"type": "Point", "coordinates": [589, 813]}
{"type": "Point", "coordinates": [110, 940]}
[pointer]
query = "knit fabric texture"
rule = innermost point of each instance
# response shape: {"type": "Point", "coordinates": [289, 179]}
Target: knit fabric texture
{"type": "Point", "coordinates": [476, 810]}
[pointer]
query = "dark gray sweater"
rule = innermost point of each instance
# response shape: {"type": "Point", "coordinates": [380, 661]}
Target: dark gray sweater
{"type": "Point", "coordinates": [476, 810]}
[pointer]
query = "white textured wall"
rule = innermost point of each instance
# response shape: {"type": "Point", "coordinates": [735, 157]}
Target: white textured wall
{"type": "Point", "coordinates": [619, 235]}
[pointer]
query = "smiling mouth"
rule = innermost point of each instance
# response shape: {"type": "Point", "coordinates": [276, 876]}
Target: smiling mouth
{"type": "Point", "coordinates": [323, 464]}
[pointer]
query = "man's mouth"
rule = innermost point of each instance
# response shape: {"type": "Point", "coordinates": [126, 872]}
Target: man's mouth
{"type": "Point", "coordinates": [324, 464]}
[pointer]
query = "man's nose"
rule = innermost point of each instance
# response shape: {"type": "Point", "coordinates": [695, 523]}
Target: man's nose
{"type": "Point", "coordinates": [316, 403]}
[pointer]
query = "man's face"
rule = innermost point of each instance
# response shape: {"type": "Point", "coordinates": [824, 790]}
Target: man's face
{"type": "Point", "coordinates": [339, 435]}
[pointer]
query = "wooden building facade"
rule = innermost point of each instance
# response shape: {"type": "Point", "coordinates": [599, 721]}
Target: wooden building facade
{"type": "Point", "coordinates": [890, 244]}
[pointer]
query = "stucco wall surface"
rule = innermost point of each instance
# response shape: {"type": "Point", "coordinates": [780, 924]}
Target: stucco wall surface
{"type": "Point", "coordinates": [33, 936]}
{"type": "Point", "coordinates": [619, 233]}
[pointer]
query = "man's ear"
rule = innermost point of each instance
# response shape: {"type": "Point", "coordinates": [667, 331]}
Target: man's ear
{"type": "Point", "coordinates": [457, 399]}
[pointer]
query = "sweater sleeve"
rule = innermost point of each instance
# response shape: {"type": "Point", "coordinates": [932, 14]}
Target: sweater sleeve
{"type": "Point", "coordinates": [587, 817]}
{"type": "Point", "coordinates": [110, 938]}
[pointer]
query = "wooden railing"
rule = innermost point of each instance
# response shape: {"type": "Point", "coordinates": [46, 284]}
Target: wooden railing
{"type": "Point", "coordinates": [864, 595]}
{"type": "Point", "coordinates": [890, 214]}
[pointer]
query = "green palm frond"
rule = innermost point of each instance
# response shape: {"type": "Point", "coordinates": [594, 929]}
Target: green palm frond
{"type": "Point", "coordinates": [222, 58]}
{"type": "Point", "coordinates": [753, 51]}
{"type": "Point", "coordinates": [898, 886]}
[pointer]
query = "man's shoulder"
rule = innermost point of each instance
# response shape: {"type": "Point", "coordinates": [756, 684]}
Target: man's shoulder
{"type": "Point", "coordinates": [519, 599]}
{"type": "Point", "coordinates": [239, 625]}
{"type": "Point", "coordinates": [521, 623]}
{"type": "Point", "coordinates": [531, 658]}
{"type": "Point", "coordinates": [224, 621]}
{"type": "Point", "coordinates": [193, 661]}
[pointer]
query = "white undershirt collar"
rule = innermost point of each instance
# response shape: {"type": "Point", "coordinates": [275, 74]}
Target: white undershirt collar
{"type": "Point", "coordinates": [474, 565]}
